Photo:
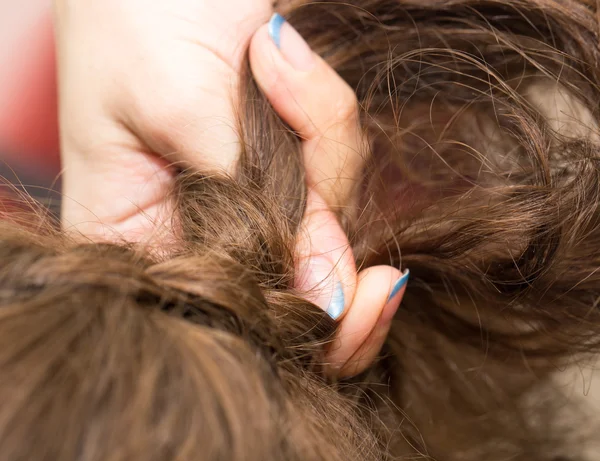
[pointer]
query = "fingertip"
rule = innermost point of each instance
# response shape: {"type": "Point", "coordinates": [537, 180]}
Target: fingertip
{"type": "Point", "coordinates": [275, 77]}
{"type": "Point", "coordinates": [325, 267]}
{"type": "Point", "coordinates": [365, 353]}
{"type": "Point", "coordinates": [370, 303]}
{"type": "Point", "coordinates": [279, 53]}
{"type": "Point", "coordinates": [263, 58]}
{"type": "Point", "coordinates": [304, 90]}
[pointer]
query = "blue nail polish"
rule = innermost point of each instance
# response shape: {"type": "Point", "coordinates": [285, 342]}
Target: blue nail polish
{"type": "Point", "coordinates": [399, 284]}
{"type": "Point", "coordinates": [275, 25]}
{"type": "Point", "coordinates": [336, 306]}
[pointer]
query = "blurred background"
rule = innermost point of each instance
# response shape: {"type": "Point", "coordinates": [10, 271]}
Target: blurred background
{"type": "Point", "coordinates": [28, 101]}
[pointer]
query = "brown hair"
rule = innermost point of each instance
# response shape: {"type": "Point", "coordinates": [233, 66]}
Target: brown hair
{"type": "Point", "coordinates": [483, 179]}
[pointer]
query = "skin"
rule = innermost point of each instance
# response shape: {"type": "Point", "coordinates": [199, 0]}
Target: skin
{"type": "Point", "coordinates": [157, 81]}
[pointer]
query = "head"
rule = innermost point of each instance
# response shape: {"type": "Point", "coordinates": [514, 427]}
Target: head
{"type": "Point", "coordinates": [482, 125]}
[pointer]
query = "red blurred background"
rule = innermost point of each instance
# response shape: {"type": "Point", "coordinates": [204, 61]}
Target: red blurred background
{"type": "Point", "coordinates": [28, 100]}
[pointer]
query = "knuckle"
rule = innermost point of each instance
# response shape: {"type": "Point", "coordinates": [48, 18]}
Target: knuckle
{"type": "Point", "coordinates": [345, 108]}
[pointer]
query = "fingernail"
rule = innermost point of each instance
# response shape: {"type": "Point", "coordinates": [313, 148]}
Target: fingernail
{"type": "Point", "coordinates": [275, 24]}
{"type": "Point", "coordinates": [389, 312]}
{"type": "Point", "coordinates": [323, 288]}
{"type": "Point", "coordinates": [399, 284]}
{"type": "Point", "coordinates": [336, 306]}
{"type": "Point", "coordinates": [291, 44]}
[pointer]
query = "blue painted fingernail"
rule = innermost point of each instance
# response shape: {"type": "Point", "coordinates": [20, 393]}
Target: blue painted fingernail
{"type": "Point", "coordinates": [336, 305]}
{"type": "Point", "coordinates": [275, 25]}
{"type": "Point", "coordinates": [399, 284]}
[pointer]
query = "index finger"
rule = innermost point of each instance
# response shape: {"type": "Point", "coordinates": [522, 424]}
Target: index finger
{"type": "Point", "coordinates": [317, 103]}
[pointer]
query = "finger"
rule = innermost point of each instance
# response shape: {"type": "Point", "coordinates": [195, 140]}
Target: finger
{"type": "Point", "coordinates": [316, 102]}
{"type": "Point", "coordinates": [325, 268]}
{"type": "Point", "coordinates": [359, 347]}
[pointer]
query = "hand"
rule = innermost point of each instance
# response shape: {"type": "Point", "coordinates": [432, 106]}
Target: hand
{"type": "Point", "coordinates": [323, 110]}
{"type": "Point", "coordinates": [144, 84]}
